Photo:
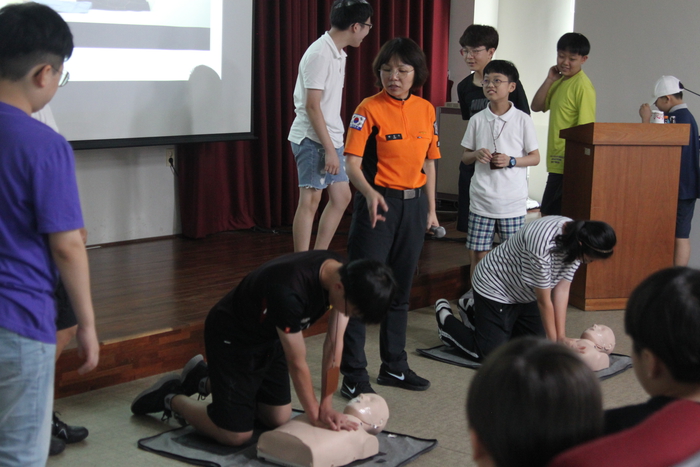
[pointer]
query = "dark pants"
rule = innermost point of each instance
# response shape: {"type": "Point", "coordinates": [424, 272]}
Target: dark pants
{"type": "Point", "coordinates": [496, 323]}
{"type": "Point", "coordinates": [466, 172]}
{"type": "Point", "coordinates": [397, 242]}
{"type": "Point", "coordinates": [551, 199]}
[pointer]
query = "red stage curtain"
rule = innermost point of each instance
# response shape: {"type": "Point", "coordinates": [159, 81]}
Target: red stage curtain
{"type": "Point", "coordinates": [238, 185]}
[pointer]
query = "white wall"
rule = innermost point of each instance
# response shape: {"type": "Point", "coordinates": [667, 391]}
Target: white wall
{"type": "Point", "coordinates": [127, 194]}
{"type": "Point", "coordinates": [633, 43]}
{"type": "Point", "coordinates": [461, 16]}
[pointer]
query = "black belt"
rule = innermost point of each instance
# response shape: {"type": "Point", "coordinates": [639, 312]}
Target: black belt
{"type": "Point", "coordinates": [400, 194]}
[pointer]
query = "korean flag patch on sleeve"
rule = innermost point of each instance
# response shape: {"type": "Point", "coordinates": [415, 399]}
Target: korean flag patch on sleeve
{"type": "Point", "coordinates": [357, 122]}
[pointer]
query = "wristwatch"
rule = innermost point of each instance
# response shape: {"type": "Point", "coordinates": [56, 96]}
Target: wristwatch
{"type": "Point", "coordinates": [511, 163]}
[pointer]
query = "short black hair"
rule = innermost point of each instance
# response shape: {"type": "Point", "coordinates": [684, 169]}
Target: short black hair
{"type": "Point", "coordinates": [574, 43]}
{"type": "Point", "coordinates": [595, 239]}
{"type": "Point", "coordinates": [663, 315]}
{"type": "Point", "coordinates": [477, 35]}
{"type": "Point", "coordinates": [345, 13]}
{"type": "Point", "coordinates": [31, 34]}
{"type": "Point", "coordinates": [370, 286]}
{"type": "Point", "coordinates": [533, 399]}
{"type": "Point", "coordinates": [408, 52]}
{"type": "Point", "coordinates": [503, 67]}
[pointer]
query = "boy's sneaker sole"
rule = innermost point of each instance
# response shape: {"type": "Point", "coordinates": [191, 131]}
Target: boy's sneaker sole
{"type": "Point", "coordinates": [152, 400]}
{"type": "Point", "coordinates": [350, 390]}
{"type": "Point", "coordinates": [405, 380]}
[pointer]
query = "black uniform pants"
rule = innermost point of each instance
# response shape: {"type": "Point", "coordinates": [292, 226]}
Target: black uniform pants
{"type": "Point", "coordinates": [397, 242]}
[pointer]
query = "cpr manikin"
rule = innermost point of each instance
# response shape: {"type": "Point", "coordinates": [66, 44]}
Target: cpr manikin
{"type": "Point", "coordinates": [595, 346]}
{"type": "Point", "coordinates": [298, 443]}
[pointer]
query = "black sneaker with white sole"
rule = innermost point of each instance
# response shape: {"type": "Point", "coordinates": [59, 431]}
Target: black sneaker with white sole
{"type": "Point", "coordinates": [352, 389]}
{"type": "Point", "coordinates": [194, 377]}
{"type": "Point", "coordinates": [407, 379]}
{"type": "Point", "coordinates": [152, 400]}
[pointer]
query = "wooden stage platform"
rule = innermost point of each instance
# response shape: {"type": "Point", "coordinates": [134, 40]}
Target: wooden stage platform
{"type": "Point", "coordinates": [151, 297]}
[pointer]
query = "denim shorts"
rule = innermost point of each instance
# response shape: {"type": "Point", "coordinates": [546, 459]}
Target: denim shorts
{"type": "Point", "coordinates": [311, 165]}
{"type": "Point", "coordinates": [26, 399]}
{"type": "Point", "coordinates": [481, 230]}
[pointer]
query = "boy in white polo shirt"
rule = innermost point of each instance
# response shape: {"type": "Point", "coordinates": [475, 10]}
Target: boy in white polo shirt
{"type": "Point", "coordinates": [317, 131]}
{"type": "Point", "coordinates": [502, 140]}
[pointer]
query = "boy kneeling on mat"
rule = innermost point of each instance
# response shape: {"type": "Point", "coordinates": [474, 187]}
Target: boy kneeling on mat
{"type": "Point", "coordinates": [254, 344]}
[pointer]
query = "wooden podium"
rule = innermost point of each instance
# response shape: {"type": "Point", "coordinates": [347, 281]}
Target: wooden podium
{"type": "Point", "coordinates": [625, 174]}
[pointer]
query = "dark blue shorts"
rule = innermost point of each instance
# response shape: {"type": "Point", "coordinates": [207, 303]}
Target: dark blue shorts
{"type": "Point", "coordinates": [684, 217]}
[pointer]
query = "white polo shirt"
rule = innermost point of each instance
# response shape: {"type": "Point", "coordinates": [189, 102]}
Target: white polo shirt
{"type": "Point", "coordinates": [322, 67]}
{"type": "Point", "coordinates": [500, 193]}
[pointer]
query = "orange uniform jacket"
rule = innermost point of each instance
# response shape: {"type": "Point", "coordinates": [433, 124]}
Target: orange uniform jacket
{"type": "Point", "coordinates": [394, 138]}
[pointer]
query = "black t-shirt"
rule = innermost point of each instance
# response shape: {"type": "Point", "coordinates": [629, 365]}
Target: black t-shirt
{"type": "Point", "coordinates": [626, 417]}
{"type": "Point", "coordinates": [472, 99]}
{"type": "Point", "coordinates": [284, 293]}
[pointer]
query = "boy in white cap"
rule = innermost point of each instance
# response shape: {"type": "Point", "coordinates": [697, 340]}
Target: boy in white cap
{"type": "Point", "coordinates": [668, 97]}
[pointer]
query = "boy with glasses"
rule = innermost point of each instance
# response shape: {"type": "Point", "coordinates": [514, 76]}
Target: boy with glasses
{"type": "Point", "coordinates": [317, 132]}
{"type": "Point", "coordinates": [39, 232]}
{"type": "Point", "coordinates": [570, 96]}
{"type": "Point", "coordinates": [501, 142]}
{"type": "Point", "coordinates": [479, 43]}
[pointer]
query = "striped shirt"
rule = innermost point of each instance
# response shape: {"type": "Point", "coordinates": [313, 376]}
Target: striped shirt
{"type": "Point", "coordinates": [511, 272]}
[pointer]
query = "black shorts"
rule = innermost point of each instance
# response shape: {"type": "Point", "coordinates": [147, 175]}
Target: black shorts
{"type": "Point", "coordinates": [65, 316]}
{"type": "Point", "coordinates": [241, 378]}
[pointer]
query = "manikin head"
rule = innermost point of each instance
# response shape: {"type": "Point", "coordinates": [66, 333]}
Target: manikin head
{"type": "Point", "coordinates": [602, 336]}
{"type": "Point", "coordinates": [371, 409]}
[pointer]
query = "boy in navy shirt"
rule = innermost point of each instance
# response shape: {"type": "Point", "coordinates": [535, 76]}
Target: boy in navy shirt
{"type": "Point", "coordinates": [668, 97]}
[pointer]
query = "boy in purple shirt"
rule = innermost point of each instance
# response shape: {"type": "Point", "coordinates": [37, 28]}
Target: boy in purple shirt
{"type": "Point", "coordinates": [39, 231]}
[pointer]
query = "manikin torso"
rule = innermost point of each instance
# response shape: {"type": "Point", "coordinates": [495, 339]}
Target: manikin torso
{"type": "Point", "coordinates": [297, 443]}
{"type": "Point", "coordinates": [595, 346]}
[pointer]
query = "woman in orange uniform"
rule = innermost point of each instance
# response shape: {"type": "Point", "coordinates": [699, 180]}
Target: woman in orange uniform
{"type": "Point", "coordinates": [390, 154]}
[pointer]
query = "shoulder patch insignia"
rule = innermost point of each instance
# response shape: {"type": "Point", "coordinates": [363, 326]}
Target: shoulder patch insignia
{"type": "Point", "coordinates": [357, 122]}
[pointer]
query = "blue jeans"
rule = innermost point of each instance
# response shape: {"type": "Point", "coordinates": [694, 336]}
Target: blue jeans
{"type": "Point", "coordinates": [26, 399]}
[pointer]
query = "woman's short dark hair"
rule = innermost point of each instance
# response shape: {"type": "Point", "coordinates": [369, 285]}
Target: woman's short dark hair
{"type": "Point", "coordinates": [32, 34]}
{"type": "Point", "coordinates": [408, 52]}
{"type": "Point", "coordinates": [370, 286]}
{"type": "Point", "coordinates": [663, 315]}
{"type": "Point", "coordinates": [594, 239]}
{"type": "Point", "coordinates": [532, 399]}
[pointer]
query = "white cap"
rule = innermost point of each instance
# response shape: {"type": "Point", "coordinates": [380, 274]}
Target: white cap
{"type": "Point", "coordinates": [667, 85]}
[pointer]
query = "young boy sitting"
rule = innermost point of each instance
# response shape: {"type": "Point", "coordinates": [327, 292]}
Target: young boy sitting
{"type": "Point", "coordinates": [529, 401]}
{"type": "Point", "coordinates": [663, 320]}
{"type": "Point", "coordinates": [502, 140]}
{"type": "Point", "coordinates": [479, 42]}
{"type": "Point", "coordinates": [668, 97]}
{"type": "Point", "coordinates": [570, 96]}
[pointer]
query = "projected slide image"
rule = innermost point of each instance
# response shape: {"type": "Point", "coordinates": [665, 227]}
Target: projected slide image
{"type": "Point", "coordinates": [141, 40]}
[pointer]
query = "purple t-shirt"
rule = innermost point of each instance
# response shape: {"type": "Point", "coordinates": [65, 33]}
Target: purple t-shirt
{"type": "Point", "coordinates": [38, 196]}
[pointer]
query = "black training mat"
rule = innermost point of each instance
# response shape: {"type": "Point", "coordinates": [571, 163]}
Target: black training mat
{"type": "Point", "coordinates": [186, 445]}
{"type": "Point", "coordinates": [447, 354]}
